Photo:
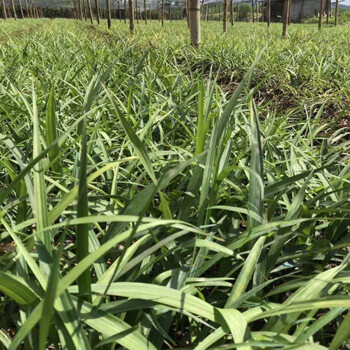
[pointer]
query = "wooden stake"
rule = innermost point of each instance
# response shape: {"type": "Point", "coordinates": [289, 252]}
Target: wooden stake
{"type": "Point", "coordinates": [285, 18]}
{"type": "Point", "coordinates": [145, 10]}
{"type": "Point", "coordinates": [109, 18]}
{"type": "Point", "coordinates": [131, 15]}
{"type": "Point", "coordinates": [320, 15]}
{"type": "Point", "coordinates": [195, 22]}
{"type": "Point", "coordinates": [14, 9]}
{"type": "Point", "coordinates": [224, 18]}
{"type": "Point", "coordinates": [162, 13]}
{"type": "Point", "coordinates": [90, 12]}
{"type": "Point", "coordinates": [231, 12]}
{"type": "Point", "coordinates": [21, 9]}
{"type": "Point", "coordinates": [188, 12]}
{"type": "Point", "coordinates": [27, 8]}
{"type": "Point", "coordinates": [268, 13]}
{"type": "Point", "coordinates": [336, 13]}
{"type": "Point", "coordinates": [84, 10]}
{"type": "Point", "coordinates": [97, 12]}
{"type": "Point", "coordinates": [4, 12]}
{"type": "Point", "coordinates": [289, 11]}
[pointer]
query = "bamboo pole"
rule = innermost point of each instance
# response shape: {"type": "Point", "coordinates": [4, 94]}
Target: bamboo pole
{"type": "Point", "coordinates": [131, 15]}
{"type": "Point", "coordinates": [90, 12]}
{"type": "Point", "coordinates": [224, 18]}
{"type": "Point", "coordinates": [162, 13]}
{"type": "Point", "coordinates": [336, 13]}
{"type": "Point", "coordinates": [4, 12]}
{"type": "Point", "coordinates": [320, 15]}
{"type": "Point", "coordinates": [14, 9]}
{"type": "Point", "coordinates": [285, 18]}
{"type": "Point", "coordinates": [145, 10]}
{"type": "Point", "coordinates": [231, 12]}
{"type": "Point", "coordinates": [97, 12]}
{"type": "Point", "coordinates": [195, 22]}
{"type": "Point", "coordinates": [109, 18]}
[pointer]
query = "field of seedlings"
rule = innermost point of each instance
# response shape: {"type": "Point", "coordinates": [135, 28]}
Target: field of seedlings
{"type": "Point", "coordinates": [155, 195]}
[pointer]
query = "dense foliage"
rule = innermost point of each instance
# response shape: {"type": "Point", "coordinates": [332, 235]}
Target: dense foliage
{"type": "Point", "coordinates": [154, 196]}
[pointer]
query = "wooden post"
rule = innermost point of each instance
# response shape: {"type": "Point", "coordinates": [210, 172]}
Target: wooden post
{"type": "Point", "coordinates": [257, 9]}
{"type": "Point", "coordinates": [145, 10]}
{"type": "Point", "coordinates": [80, 10]}
{"type": "Point", "coordinates": [170, 18]}
{"type": "Point", "coordinates": [14, 9]}
{"type": "Point", "coordinates": [336, 13]}
{"type": "Point", "coordinates": [131, 15]}
{"type": "Point", "coordinates": [90, 12]}
{"type": "Point", "coordinates": [27, 9]}
{"type": "Point", "coordinates": [224, 18]}
{"type": "Point", "coordinates": [97, 12]}
{"type": "Point", "coordinates": [231, 12]}
{"type": "Point", "coordinates": [162, 13]}
{"type": "Point", "coordinates": [329, 5]}
{"type": "Point", "coordinates": [285, 18]}
{"type": "Point", "coordinates": [4, 12]}
{"type": "Point", "coordinates": [21, 9]}
{"type": "Point", "coordinates": [289, 11]}
{"type": "Point", "coordinates": [320, 15]}
{"type": "Point", "coordinates": [109, 18]}
{"type": "Point", "coordinates": [253, 12]}
{"type": "Point", "coordinates": [188, 12]}
{"type": "Point", "coordinates": [268, 13]}
{"type": "Point", "coordinates": [84, 10]}
{"type": "Point", "coordinates": [195, 22]}
{"type": "Point", "coordinates": [119, 12]}
{"type": "Point", "coordinates": [124, 11]}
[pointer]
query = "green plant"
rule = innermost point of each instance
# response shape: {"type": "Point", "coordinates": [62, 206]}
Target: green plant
{"type": "Point", "coordinates": [154, 196]}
